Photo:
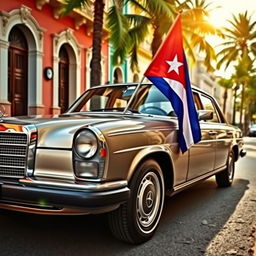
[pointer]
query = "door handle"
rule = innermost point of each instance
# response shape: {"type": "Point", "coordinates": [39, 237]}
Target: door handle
{"type": "Point", "coordinates": [212, 133]}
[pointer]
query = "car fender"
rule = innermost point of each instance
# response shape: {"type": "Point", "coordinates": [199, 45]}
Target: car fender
{"type": "Point", "coordinates": [149, 152]}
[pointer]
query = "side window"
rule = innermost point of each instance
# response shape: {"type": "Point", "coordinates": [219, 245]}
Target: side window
{"type": "Point", "coordinates": [155, 103]}
{"type": "Point", "coordinates": [197, 101]}
{"type": "Point", "coordinates": [209, 105]}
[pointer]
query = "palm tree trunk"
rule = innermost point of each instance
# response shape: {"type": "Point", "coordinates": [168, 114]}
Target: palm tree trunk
{"type": "Point", "coordinates": [157, 38]}
{"type": "Point", "coordinates": [234, 106]}
{"type": "Point", "coordinates": [225, 96]}
{"type": "Point", "coordinates": [96, 44]}
{"type": "Point", "coordinates": [241, 108]}
{"type": "Point", "coordinates": [247, 118]}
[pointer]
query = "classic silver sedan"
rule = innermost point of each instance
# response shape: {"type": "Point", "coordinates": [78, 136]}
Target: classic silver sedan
{"type": "Point", "coordinates": [115, 150]}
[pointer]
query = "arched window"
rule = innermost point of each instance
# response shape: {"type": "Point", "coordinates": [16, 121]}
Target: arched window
{"type": "Point", "coordinates": [63, 79]}
{"type": "Point", "coordinates": [17, 72]}
{"type": "Point", "coordinates": [118, 76]}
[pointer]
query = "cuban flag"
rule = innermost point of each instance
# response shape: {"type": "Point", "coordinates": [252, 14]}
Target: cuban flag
{"type": "Point", "coordinates": [168, 71]}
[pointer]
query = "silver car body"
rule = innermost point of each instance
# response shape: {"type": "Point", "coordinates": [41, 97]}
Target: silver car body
{"type": "Point", "coordinates": [49, 184]}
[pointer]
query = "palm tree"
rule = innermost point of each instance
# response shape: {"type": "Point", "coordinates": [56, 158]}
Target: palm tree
{"type": "Point", "coordinates": [98, 6]}
{"type": "Point", "coordinates": [127, 31]}
{"type": "Point", "coordinates": [119, 25]}
{"type": "Point", "coordinates": [154, 14]}
{"type": "Point", "coordinates": [226, 84]}
{"type": "Point", "coordinates": [243, 74]}
{"type": "Point", "coordinates": [196, 27]}
{"type": "Point", "coordinates": [250, 100]}
{"type": "Point", "coordinates": [240, 39]}
{"type": "Point", "coordinates": [239, 46]}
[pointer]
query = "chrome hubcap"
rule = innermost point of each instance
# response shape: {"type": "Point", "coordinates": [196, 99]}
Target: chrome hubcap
{"type": "Point", "coordinates": [148, 200]}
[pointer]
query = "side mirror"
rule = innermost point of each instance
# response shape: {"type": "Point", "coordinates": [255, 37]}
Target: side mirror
{"type": "Point", "coordinates": [205, 115]}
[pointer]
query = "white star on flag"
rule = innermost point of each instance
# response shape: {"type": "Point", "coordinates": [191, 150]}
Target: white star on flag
{"type": "Point", "coordinates": [174, 65]}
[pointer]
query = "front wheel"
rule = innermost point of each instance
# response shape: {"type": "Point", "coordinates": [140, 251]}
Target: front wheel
{"type": "Point", "coordinates": [136, 220]}
{"type": "Point", "coordinates": [225, 177]}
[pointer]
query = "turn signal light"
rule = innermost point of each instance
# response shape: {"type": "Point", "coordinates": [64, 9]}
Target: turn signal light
{"type": "Point", "coordinates": [103, 152]}
{"type": "Point", "coordinates": [2, 128]}
{"type": "Point", "coordinates": [33, 137]}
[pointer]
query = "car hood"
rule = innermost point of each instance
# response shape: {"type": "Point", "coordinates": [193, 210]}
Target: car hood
{"type": "Point", "coordinates": [58, 131]}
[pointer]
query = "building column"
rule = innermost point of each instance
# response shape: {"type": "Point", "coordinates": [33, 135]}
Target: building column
{"type": "Point", "coordinates": [4, 76]}
{"type": "Point", "coordinates": [55, 104]}
{"type": "Point", "coordinates": [35, 80]}
{"type": "Point", "coordinates": [35, 83]}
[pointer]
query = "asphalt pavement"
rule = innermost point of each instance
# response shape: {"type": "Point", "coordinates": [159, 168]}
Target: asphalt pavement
{"type": "Point", "coordinates": [203, 220]}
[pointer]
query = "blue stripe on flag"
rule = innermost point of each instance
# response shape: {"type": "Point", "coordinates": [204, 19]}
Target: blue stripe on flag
{"type": "Point", "coordinates": [177, 105]}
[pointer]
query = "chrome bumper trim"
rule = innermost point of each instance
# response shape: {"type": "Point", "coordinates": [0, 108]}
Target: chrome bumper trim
{"type": "Point", "coordinates": [89, 186]}
{"type": "Point", "coordinates": [62, 211]}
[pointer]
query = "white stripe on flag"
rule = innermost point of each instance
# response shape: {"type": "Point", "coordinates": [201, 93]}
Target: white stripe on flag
{"type": "Point", "coordinates": [178, 88]}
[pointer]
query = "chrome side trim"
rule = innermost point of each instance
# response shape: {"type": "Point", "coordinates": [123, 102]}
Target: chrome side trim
{"type": "Point", "coordinates": [89, 186]}
{"type": "Point", "coordinates": [62, 211]}
{"type": "Point", "coordinates": [117, 133]}
{"type": "Point", "coordinates": [130, 149]}
{"type": "Point", "coordinates": [191, 182]}
{"type": "Point", "coordinates": [160, 148]}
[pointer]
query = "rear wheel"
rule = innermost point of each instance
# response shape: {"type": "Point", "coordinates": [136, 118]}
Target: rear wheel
{"type": "Point", "coordinates": [136, 220]}
{"type": "Point", "coordinates": [225, 178]}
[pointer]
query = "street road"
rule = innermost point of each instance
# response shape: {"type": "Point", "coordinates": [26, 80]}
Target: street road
{"type": "Point", "coordinates": [203, 220]}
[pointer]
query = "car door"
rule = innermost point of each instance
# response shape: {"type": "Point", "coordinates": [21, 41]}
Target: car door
{"type": "Point", "coordinates": [224, 136]}
{"type": "Point", "coordinates": [202, 154]}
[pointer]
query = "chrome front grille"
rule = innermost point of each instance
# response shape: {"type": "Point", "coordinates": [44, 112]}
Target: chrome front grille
{"type": "Point", "coordinates": [13, 154]}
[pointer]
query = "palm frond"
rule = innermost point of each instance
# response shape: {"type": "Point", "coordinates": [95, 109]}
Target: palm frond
{"type": "Point", "coordinates": [118, 26]}
{"type": "Point", "coordinates": [253, 48]}
{"type": "Point", "coordinates": [69, 5]}
{"type": "Point", "coordinates": [158, 7]}
{"type": "Point", "coordinates": [134, 64]}
{"type": "Point", "coordinates": [204, 27]}
{"type": "Point", "coordinates": [227, 59]}
{"type": "Point", "coordinates": [139, 6]}
{"type": "Point", "coordinates": [189, 50]}
{"type": "Point", "coordinates": [138, 33]}
{"type": "Point", "coordinates": [136, 20]}
{"type": "Point", "coordinates": [119, 56]}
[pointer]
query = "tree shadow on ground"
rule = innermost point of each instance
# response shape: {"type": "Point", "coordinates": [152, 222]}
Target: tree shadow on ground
{"type": "Point", "coordinates": [189, 221]}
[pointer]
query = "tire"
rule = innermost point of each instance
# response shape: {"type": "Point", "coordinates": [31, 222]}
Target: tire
{"type": "Point", "coordinates": [136, 220]}
{"type": "Point", "coordinates": [225, 177]}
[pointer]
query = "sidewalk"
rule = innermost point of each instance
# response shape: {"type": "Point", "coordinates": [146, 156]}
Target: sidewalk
{"type": "Point", "coordinates": [238, 235]}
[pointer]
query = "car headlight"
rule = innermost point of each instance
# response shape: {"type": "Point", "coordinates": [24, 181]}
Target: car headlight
{"type": "Point", "coordinates": [86, 144]}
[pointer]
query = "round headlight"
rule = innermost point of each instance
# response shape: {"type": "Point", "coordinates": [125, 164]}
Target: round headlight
{"type": "Point", "coordinates": [86, 144]}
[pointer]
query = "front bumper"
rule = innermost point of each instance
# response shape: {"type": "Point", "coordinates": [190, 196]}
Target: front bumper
{"type": "Point", "coordinates": [42, 197]}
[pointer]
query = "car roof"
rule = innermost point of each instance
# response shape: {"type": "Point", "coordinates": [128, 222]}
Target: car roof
{"type": "Point", "coordinates": [194, 87]}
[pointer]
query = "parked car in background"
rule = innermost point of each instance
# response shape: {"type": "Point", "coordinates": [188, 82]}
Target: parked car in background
{"type": "Point", "coordinates": [252, 130]}
{"type": "Point", "coordinates": [115, 150]}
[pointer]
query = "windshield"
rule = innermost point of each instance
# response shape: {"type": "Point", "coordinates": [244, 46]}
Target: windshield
{"type": "Point", "coordinates": [148, 100]}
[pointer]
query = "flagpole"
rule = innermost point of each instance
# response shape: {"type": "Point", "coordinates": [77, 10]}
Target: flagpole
{"type": "Point", "coordinates": [133, 95]}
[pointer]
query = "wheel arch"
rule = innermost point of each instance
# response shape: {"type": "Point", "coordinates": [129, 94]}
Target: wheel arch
{"type": "Point", "coordinates": [163, 158]}
{"type": "Point", "coordinates": [236, 151]}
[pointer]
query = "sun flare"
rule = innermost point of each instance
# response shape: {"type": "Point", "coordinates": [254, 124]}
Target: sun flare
{"type": "Point", "coordinates": [218, 19]}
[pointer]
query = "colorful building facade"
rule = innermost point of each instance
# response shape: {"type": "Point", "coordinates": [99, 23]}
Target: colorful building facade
{"type": "Point", "coordinates": [44, 57]}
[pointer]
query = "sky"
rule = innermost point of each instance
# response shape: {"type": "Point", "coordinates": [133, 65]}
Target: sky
{"type": "Point", "coordinates": [227, 7]}
{"type": "Point", "coordinates": [219, 17]}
